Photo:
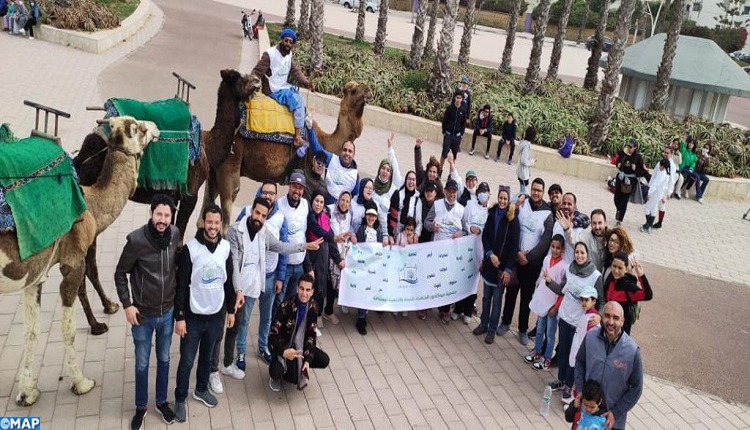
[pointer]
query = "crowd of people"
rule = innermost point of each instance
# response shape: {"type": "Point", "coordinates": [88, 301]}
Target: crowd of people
{"type": "Point", "coordinates": [18, 18]}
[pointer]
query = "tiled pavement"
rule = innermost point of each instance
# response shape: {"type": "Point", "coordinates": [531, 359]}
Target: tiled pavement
{"type": "Point", "coordinates": [405, 373]}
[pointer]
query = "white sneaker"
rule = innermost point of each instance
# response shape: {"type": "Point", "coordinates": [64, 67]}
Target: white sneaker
{"type": "Point", "coordinates": [486, 156]}
{"type": "Point", "coordinates": [404, 314]}
{"type": "Point", "coordinates": [467, 319]}
{"type": "Point", "coordinates": [454, 316]}
{"type": "Point", "coordinates": [344, 310]}
{"type": "Point", "coordinates": [471, 152]}
{"type": "Point", "coordinates": [214, 383]}
{"type": "Point", "coordinates": [31, 37]}
{"type": "Point", "coordinates": [700, 200]}
{"type": "Point", "coordinates": [318, 333]}
{"type": "Point", "coordinates": [232, 371]}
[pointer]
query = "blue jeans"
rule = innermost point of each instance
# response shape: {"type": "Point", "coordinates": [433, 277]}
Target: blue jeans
{"type": "Point", "coordinates": [242, 324]}
{"type": "Point", "coordinates": [163, 325]}
{"type": "Point", "coordinates": [548, 325]}
{"type": "Point", "coordinates": [565, 372]}
{"type": "Point", "coordinates": [200, 334]}
{"type": "Point", "coordinates": [289, 289]}
{"type": "Point", "coordinates": [292, 99]}
{"type": "Point", "coordinates": [701, 184]}
{"type": "Point", "coordinates": [492, 301]}
{"type": "Point", "coordinates": [265, 305]}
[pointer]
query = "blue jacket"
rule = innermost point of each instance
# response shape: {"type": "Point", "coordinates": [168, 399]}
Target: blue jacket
{"type": "Point", "coordinates": [283, 237]}
{"type": "Point", "coordinates": [617, 368]}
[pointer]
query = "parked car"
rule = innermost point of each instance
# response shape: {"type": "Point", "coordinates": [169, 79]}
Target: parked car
{"type": "Point", "coordinates": [741, 55]}
{"type": "Point", "coordinates": [370, 6]}
{"type": "Point", "coordinates": [591, 41]}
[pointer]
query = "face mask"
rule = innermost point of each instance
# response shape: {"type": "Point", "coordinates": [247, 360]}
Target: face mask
{"type": "Point", "coordinates": [705, 152]}
{"type": "Point", "coordinates": [483, 197]}
{"type": "Point", "coordinates": [472, 189]}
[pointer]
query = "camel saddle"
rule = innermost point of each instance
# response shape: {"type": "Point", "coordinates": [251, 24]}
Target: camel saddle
{"type": "Point", "coordinates": [263, 118]}
{"type": "Point", "coordinates": [164, 165]}
{"type": "Point", "coordinates": [39, 193]}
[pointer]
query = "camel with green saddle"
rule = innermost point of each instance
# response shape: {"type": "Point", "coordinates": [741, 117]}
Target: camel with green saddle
{"type": "Point", "coordinates": [40, 187]}
{"type": "Point", "coordinates": [263, 149]}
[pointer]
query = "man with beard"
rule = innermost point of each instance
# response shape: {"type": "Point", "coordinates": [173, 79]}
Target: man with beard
{"type": "Point", "coordinates": [274, 68]}
{"type": "Point", "coordinates": [428, 196]}
{"type": "Point", "coordinates": [595, 237]}
{"type": "Point", "coordinates": [249, 240]}
{"type": "Point", "coordinates": [150, 258]}
{"type": "Point", "coordinates": [342, 172]}
{"type": "Point", "coordinates": [555, 193]}
{"type": "Point", "coordinates": [454, 125]}
{"type": "Point", "coordinates": [612, 358]}
{"type": "Point", "coordinates": [204, 296]}
{"type": "Point", "coordinates": [535, 217]}
{"type": "Point", "coordinates": [295, 210]}
{"type": "Point", "coordinates": [470, 189]}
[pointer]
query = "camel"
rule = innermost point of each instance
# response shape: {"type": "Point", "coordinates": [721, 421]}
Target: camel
{"type": "Point", "coordinates": [261, 160]}
{"type": "Point", "coordinates": [105, 201]}
{"type": "Point", "coordinates": [233, 88]}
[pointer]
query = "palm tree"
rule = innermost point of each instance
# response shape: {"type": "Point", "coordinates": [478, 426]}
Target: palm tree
{"type": "Point", "coordinates": [429, 48]}
{"type": "Point", "coordinates": [382, 23]}
{"type": "Point", "coordinates": [417, 38]}
{"type": "Point", "coordinates": [470, 19]}
{"type": "Point", "coordinates": [317, 19]}
{"type": "Point", "coordinates": [592, 72]}
{"type": "Point", "coordinates": [359, 35]}
{"type": "Point", "coordinates": [554, 61]}
{"type": "Point", "coordinates": [532, 72]}
{"type": "Point", "coordinates": [439, 82]}
{"type": "Point", "coordinates": [289, 20]}
{"type": "Point", "coordinates": [510, 38]}
{"type": "Point", "coordinates": [584, 22]}
{"type": "Point", "coordinates": [661, 90]}
{"type": "Point", "coordinates": [303, 26]}
{"type": "Point", "coordinates": [599, 125]}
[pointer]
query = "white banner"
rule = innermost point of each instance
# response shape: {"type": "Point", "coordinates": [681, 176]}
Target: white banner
{"type": "Point", "coordinates": [422, 276]}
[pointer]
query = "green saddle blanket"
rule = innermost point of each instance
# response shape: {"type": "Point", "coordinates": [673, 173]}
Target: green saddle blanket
{"type": "Point", "coordinates": [38, 183]}
{"type": "Point", "coordinates": [164, 165]}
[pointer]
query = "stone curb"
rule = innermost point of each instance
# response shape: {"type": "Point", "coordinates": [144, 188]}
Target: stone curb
{"type": "Point", "coordinates": [99, 42]}
{"type": "Point", "coordinates": [578, 166]}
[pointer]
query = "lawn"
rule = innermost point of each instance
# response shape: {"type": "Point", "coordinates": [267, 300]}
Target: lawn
{"type": "Point", "coordinates": [121, 8]}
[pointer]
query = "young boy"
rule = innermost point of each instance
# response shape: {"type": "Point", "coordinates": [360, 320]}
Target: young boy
{"type": "Point", "coordinates": [588, 409]}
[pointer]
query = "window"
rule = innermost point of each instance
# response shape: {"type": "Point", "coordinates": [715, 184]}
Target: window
{"type": "Point", "coordinates": [746, 10]}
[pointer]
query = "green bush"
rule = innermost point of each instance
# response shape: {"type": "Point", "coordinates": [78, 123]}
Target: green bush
{"type": "Point", "coordinates": [557, 110]}
{"type": "Point", "coordinates": [728, 39]}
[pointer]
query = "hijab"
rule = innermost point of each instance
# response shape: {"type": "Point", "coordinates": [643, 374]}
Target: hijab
{"type": "Point", "coordinates": [361, 196]}
{"type": "Point", "coordinates": [407, 199]}
{"type": "Point", "coordinates": [379, 186]}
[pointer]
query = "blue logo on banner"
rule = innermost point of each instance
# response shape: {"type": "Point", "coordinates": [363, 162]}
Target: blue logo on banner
{"type": "Point", "coordinates": [13, 423]}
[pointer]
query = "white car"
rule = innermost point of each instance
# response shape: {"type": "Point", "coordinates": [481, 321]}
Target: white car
{"type": "Point", "coordinates": [370, 6]}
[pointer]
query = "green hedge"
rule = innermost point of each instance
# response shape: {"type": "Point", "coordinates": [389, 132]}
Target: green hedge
{"type": "Point", "coordinates": [559, 109]}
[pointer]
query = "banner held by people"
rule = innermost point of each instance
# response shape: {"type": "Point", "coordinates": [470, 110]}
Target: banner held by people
{"type": "Point", "coordinates": [415, 277]}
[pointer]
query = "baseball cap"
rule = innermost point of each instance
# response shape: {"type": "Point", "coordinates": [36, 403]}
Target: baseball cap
{"type": "Point", "coordinates": [371, 211]}
{"type": "Point", "coordinates": [429, 186]}
{"type": "Point", "coordinates": [483, 187]}
{"type": "Point", "coordinates": [298, 178]}
{"type": "Point", "coordinates": [471, 173]}
{"type": "Point", "coordinates": [320, 157]}
{"type": "Point", "coordinates": [632, 143]}
{"type": "Point", "coordinates": [451, 185]}
{"type": "Point", "coordinates": [554, 187]}
{"type": "Point", "coordinates": [589, 292]}
{"type": "Point", "coordinates": [464, 79]}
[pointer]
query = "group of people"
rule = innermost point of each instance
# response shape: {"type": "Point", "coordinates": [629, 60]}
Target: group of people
{"type": "Point", "coordinates": [18, 18]}
{"type": "Point", "coordinates": [681, 167]}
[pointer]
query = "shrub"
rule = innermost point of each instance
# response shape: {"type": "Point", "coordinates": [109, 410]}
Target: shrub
{"type": "Point", "coordinates": [728, 39]}
{"type": "Point", "coordinates": [86, 15]}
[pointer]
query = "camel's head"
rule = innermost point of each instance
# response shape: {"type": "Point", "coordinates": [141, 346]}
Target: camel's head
{"type": "Point", "coordinates": [241, 86]}
{"type": "Point", "coordinates": [355, 97]}
{"type": "Point", "coordinates": [131, 136]}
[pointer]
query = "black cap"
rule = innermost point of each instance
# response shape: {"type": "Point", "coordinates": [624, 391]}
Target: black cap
{"type": "Point", "coordinates": [429, 186]}
{"type": "Point", "coordinates": [321, 158]}
{"type": "Point", "coordinates": [554, 187]}
{"type": "Point", "coordinates": [451, 185]}
{"type": "Point", "coordinates": [483, 187]}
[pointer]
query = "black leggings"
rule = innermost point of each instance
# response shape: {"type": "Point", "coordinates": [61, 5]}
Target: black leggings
{"type": "Point", "coordinates": [276, 369]}
{"type": "Point", "coordinates": [29, 27]}
{"type": "Point", "coordinates": [527, 276]}
{"type": "Point", "coordinates": [621, 201]}
{"type": "Point", "coordinates": [476, 134]}
{"type": "Point", "coordinates": [512, 147]}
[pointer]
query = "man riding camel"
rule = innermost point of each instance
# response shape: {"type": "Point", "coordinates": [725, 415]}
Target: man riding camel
{"type": "Point", "coordinates": [274, 69]}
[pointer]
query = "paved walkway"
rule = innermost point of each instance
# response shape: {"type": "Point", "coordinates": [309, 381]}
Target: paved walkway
{"type": "Point", "coordinates": [405, 373]}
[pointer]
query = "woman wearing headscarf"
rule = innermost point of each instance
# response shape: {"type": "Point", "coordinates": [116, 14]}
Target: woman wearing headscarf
{"type": "Point", "coordinates": [388, 180]}
{"type": "Point", "coordinates": [341, 225]}
{"type": "Point", "coordinates": [630, 169]}
{"type": "Point", "coordinates": [405, 203]}
{"type": "Point", "coordinates": [366, 193]}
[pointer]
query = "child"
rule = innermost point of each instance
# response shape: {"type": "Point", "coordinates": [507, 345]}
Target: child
{"type": "Point", "coordinates": [658, 191]}
{"type": "Point", "coordinates": [524, 159]}
{"type": "Point", "coordinates": [408, 236]}
{"type": "Point", "coordinates": [588, 299]}
{"type": "Point", "coordinates": [368, 232]}
{"type": "Point", "coordinates": [588, 409]}
{"type": "Point", "coordinates": [543, 303]}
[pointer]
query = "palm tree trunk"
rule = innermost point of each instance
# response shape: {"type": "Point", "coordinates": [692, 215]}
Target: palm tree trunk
{"type": "Point", "coordinates": [599, 125]}
{"type": "Point", "coordinates": [584, 22]}
{"type": "Point", "coordinates": [592, 72]}
{"type": "Point", "coordinates": [510, 38]}
{"type": "Point", "coordinates": [439, 82]}
{"type": "Point", "coordinates": [303, 26]}
{"type": "Point", "coordinates": [554, 62]}
{"type": "Point", "coordinates": [661, 90]}
{"type": "Point", "coordinates": [417, 38]}
{"type": "Point", "coordinates": [317, 19]}
{"type": "Point", "coordinates": [382, 24]}
{"type": "Point", "coordinates": [469, 20]}
{"type": "Point", "coordinates": [359, 35]}
{"type": "Point", "coordinates": [429, 48]}
{"type": "Point", "coordinates": [290, 12]}
{"type": "Point", "coordinates": [532, 72]}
